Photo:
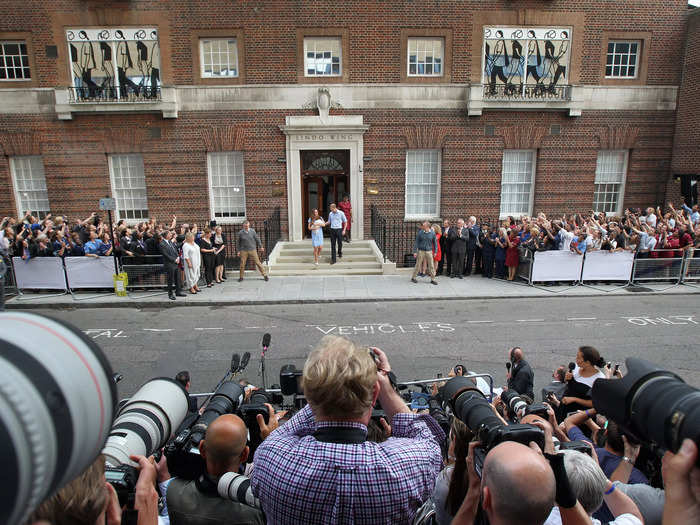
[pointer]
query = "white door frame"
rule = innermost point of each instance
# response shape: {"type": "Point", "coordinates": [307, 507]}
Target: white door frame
{"type": "Point", "coordinates": [333, 133]}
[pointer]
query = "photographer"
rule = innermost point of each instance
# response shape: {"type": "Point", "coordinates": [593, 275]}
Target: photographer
{"type": "Point", "coordinates": [520, 377]}
{"type": "Point", "coordinates": [319, 466]}
{"type": "Point", "coordinates": [90, 500]}
{"type": "Point", "coordinates": [195, 502]}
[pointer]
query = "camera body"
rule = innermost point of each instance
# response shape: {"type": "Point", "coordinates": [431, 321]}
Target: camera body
{"type": "Point", "coordinates": [578, 446]}
{"type": "Point", "coordinates": [514, 403]}
{"type": "Point", "coordinates": [123, 478]}
{"type": "Point", "coordinates": [290, 381]}
{"type": "Point", "coordinates": [539, 409]}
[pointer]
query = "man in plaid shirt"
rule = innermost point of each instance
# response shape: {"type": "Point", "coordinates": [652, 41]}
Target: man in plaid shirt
{"type": "Point", "coordinates": [319, 467]}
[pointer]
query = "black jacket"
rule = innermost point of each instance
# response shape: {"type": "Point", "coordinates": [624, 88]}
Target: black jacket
{"type": "Point", "coordinates": [459, 244]}
{"type": "Point", "coordinates": [522, 379]}
{"type": "Point", "coordinates": [169, 253]}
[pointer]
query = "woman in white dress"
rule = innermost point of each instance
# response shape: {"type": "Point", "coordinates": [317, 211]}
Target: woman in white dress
{"type": "Point", "coordinates": [193, 261]}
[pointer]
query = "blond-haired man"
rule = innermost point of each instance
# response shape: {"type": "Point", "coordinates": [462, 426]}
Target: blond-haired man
{"type": "Point", "coordinates": [319, 467]}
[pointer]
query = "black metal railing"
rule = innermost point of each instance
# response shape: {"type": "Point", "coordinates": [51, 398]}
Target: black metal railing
{"type": "Point", "coordinates": [125, 94]}
{"type": "Point", "coordinates": [527, 92]}
{"type": "Point", "coordinates": [377, 229]}
{"type": "Point", "coordinates": [273, 231]}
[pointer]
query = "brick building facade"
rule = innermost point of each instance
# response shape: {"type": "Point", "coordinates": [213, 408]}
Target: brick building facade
{"type": "Point", "coordinates": [224, 110]}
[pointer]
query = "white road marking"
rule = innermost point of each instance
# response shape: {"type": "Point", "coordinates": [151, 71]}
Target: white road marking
{"type": "Point", "coordinates": [252, 328]}
{"type": "Point", "coordinates": [581, 318]}
{"type": "Point", "coordinates": [474, 322]}
{"type": "Point", "coordinates": [208, 328]}
{"type": "Point", "coordinates": [158, 329]}
{"type": "Point", "coordinates": [529, 320]}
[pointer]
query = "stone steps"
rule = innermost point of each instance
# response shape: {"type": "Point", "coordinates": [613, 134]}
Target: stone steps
{"type": "Point", "coordinates": [296, 258]}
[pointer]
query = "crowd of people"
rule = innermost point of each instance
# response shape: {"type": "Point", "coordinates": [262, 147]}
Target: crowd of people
{"type": "Point", "coordinates": [183, 249]}
{"type": "Point", "coordinates": [358, 454]}
{"type": "Point", "coordinates": [494, 250]}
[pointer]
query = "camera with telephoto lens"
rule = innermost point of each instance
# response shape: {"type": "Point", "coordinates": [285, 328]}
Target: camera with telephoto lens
{"type": "Point", "coordinates": [182, 453]}
{"type": "Point", "coordinates": [57, 401]}
{"type": "Point", "coordinates": [236, 487]}
{"type": "Point", "coordinates": [290, 381]}
{"type": "Point", "coordinates": [249, 411]}
{"type": "Point", "coordinates": [470, 406]}
{"type": "Point", "coordinates": [652, 405]}
{"type": "Point", "coordinates": [514, 403]}
{"type": "Point", "coordinates": [143, 425]}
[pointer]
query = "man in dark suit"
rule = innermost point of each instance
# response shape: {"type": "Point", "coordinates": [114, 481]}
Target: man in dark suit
{"type": "Point", "coordinates": [445, 248]}
{"type": "Point", "coordinates": [521, 378]}
{"type": "Point", "coordinates": [171, 259]}
{"type": "Point", "coordinates": [459, 236]}
{"type": "Point", "coordinates": [474, 232]}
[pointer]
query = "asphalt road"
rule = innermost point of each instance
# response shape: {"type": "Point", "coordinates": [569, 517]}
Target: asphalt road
{"type": "Point", "coordinates": [421, 338]}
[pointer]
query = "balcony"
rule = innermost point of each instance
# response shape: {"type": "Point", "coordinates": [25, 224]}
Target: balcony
{"type": "Point", "coordinates": [109, 99]}
{"type": "Point", "coordinates": [515, 97]}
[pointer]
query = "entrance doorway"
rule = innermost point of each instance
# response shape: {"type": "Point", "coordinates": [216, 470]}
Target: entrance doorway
{"type": "Point", "coordinates": [325, 180]}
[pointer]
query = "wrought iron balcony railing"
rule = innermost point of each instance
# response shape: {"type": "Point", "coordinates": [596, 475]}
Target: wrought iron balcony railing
{"type": "Point", "coordinates": [125, 94]}
{"type": "Point", "coordinates": [539, 92]}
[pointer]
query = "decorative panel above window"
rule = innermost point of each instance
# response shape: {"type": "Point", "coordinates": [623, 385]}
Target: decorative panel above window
{"type": "Point", "coordinates": [526, 63]}
{"type": "Point", "coordinates": [114, 64]}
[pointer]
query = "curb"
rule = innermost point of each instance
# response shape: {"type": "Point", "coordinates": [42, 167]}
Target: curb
{"type": "Point", "coordinates": [179, 304]}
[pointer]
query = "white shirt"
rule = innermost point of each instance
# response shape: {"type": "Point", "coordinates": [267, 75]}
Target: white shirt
{"type": "Point", "coordinates": [566, 238]}
{"type": "Point", "coordinates": [623, 519]}
{"type": "Point", "coordinates": [651, 220]}
{"type": "Point", "coordinates": [588, 381]}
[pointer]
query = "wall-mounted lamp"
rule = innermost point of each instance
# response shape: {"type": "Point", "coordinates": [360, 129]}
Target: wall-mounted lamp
{"type": "Point", "coordinates": [371, 181]}
{"type": "Point", "coordinates": [372, 191]}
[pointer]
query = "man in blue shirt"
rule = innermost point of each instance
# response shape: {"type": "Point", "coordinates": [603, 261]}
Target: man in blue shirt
{"type": "Point", "coordinates": [338, 223]}
{"type": "Point", "coordinates": [426, 245]}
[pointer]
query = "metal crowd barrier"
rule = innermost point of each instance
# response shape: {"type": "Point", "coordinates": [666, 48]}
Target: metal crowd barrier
{"type": "Point", "coordinates": [665, 269]}
{"type": "Point", "coordinates": [144, 271]}
{"type": "Point", "coordinates": [691, 268]}
{"type": "Point", "coordinates": [525, 267]}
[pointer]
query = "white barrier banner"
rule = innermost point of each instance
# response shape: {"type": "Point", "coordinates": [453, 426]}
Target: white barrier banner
{"type": "Point", "coordinates": [608, 266]}
{"type": "Point", "coordinates": [556, 266]}
{"type": "Point", "coordinates": [39, 273]}
{"type": "Point", "coordinates": [90, 272]}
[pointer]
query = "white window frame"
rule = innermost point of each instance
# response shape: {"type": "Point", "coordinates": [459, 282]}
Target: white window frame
{"type": "Point", "coordinates": [19, 201]}
{"type": "Point", "coordinates": [120, 212]}
{"type": "Point", "coordinates": [20, 43]}
{"type": "Point", "coordinates": [212, 210]}
{"type": "Point", "coordinates": [533, 174]}
{"type": "Point", "coordinates": [638, 56]}
{"type": "Point", "coordinates": [339, 39]}
{"type": "Point", "coordinates": [203, 73]}
{"type": "Point", "coordinates": [621, 189]}
{"type": "Point", "coordinates": [417, 39]}
{"type": "Point", "coordinates": [421, 216]}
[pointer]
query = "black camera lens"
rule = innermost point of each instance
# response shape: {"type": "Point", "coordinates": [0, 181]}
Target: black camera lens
{"type": "Point", "coordinates": [224, 401]}
{"type": "Point", "coordinates": [652, 404]}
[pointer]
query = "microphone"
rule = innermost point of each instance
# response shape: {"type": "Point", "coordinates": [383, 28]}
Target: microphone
{"type": "Point", "coordinates": [235, 359]}
{"type": "Point", "coordinates": [508, 365]}
{"type": "Point", "coordinates": [244, 361]}
{"type": "Point", "coordinates": [266, 342]}
{"type": "Point", "coordinates": [572, 366]}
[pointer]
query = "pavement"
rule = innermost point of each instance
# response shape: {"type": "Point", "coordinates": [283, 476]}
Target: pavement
{"type": "Point", "coordinates": [421, 338]}
{"type": "Point", "coordinates": [331, 289]}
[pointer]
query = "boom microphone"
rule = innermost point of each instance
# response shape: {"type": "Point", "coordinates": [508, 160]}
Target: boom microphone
{"type": "Point", "coordinates": [244, 361]}
{"type": "Point", "coordinates": [266, 341]}
{"type": "Point", "coordinates": [235, 359]}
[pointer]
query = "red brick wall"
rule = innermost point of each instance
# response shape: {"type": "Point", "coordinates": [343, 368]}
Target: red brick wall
{"type": "Point", "coordinates": [686, 148]}
{"type": "Point", "coordinates": [374, 31]}
{"type": "Point", "coordinates": [75, 158]}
